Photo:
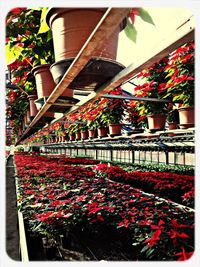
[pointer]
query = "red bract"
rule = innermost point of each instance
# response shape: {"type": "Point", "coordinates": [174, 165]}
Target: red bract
{"type": "Point", "coordinates": [16, 11]}
{"type": "Point", "coordinates": [125, 223]}
{"type": "Point", "coordinates": [183, 255]}
{"type": "Point", "coordinates": [55, 204]}
{"type": "Point", "coordinates": [154, 239]}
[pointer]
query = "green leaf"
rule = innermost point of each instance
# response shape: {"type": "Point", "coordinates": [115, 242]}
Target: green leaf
{"type": "Point", "coordinates": [130, 31]}
{"type": "Point", "coordinates": [43, 25]}
{"type": "Point", "coordinates": [145, 16]}
{"type": "Point", "coordinates": [35, 205]}
{"type": "Point", "coordinates": [75, 190]}
{"type": "Point", "coordinates": [149, 252]}
{"type": "Point", "coordinates": [37, 227]}
{"type": "Point", "coordinates": [169, 94]}
{"type": "Point", "coordinates": [43, 61]}
{"type": "Point", "coordinates": [178, 97]}
{"type": "Point", "coordinates": [49, 35]}
{"type": "Point", "coordinates": [144, 249]}
{"type": "Point", "coordinates": [12, 53]}
{"type": "Point", "coordinates": [135, 244]}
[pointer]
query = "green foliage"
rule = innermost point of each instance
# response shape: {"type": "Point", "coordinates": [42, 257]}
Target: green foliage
{"type": "Point", "coordinates": [145, 16]}
{"type": "Point", "coordinates": [130, 31]}
{"type": "Point", "coordinates": [180, 71]}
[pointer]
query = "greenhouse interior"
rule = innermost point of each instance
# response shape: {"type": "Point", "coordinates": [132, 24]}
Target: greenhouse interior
{"type": "Point", "coordinates": [100, 127]}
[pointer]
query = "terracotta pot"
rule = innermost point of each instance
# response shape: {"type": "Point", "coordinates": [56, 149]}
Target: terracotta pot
{"type": "Point", "coordinates": [33, 109]}
{"type": "Point", "coordinates": [78, 135]}
{"type": "Point", "coordinates": [28, 116]}
{"type": "Point", "coordinates": [96, 72]}
{"type": "Point", "coordinates": [92, 133]}
{"type": "Point", "coordinates": [84, 135]}
{"type": "Point", "coordinates": [115, 129]}
{"type": "Point", "coordinates": [25, 119]}
{"type": "Point", "coordinates": [66, 137]}
{"type": "Point", "coordinates": [62, 139]}
{"type": "Point", "coordinates": [45, 83]}
{"type": "Point", "coordinates": [49, 114]}
{"type": "Point", "coordinates": [102, 132]}
{"type": "Point", "coordinates": [71, 27]}
{"type": "Point", "coordinates": [172, 125]}
{"type": "Point", "coordinates": [156, 122]}
{"type": "Point", "coordinates": [33, 99]}
{"type": "Point", "coordinates": [72, 136]}
{"type": "Point", "coordinates": [186, 117]}
{"type": "Point", "coordinates": [19, 132]}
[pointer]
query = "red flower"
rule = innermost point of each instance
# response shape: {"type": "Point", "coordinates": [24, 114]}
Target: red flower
{"type": "Point", "coordinates": [154, 239]}
{"type": "Point", "coordinates": [183, 255]}
{"type": "Point", "coordinates": [125, 223]}
{"type": "Point", "coordinates": [134, 11]}
{"type": "Point", "coordinates": [100, 218]}
{"type": "Point", "coordinates": [16, 11]}
{"type": "Point", "coordinates": [175, 234]}
{"type": "Point", "coordinates": [45, 216]}
{"type": "Point", "coordinates": [93, 208]}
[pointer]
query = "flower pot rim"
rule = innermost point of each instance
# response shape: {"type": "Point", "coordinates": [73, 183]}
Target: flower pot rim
{"type": "Point", "coordinates": [40, 67]}
{"type": "Point", "coordinates": [112, 124]}
{"type": "Point", "coordinates": [172, 122]}
{"type": "Point", "coordinates": [31, 96]}
{"type": "Point", "coordinates": [157, 115]}
{"type": "Point", "coordinates": [52, 10]}
{"type": "Point", "coordinates": [186, 107]}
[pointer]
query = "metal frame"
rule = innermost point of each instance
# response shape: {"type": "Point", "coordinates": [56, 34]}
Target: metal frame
{"type": "Point", "coordinates": [111, 18]}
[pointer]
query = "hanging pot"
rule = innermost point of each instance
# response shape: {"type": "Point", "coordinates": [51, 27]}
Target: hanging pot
{"type": "Point", "coordinates": [94, 74]}
{"type": "Point", "coordinates": [115, 129]}
{"type": "Point", "coordinates": [186, 117]}
{"type": "Point", "coordinates": [156, 121]}
{"type": "Point", "coordinates": [28, 116]}
{"type": "Point", "coordinates": [25, 119]}
{"type": "Point", "coordinates": [71, 27]}
{"type": "Point", "coordinates": [33, 108]}
{"type": "Point", "coordinates": [45, 83]}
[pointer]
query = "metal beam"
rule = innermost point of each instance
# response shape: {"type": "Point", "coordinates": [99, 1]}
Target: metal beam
{"type": "Point", "coordinates": [183, 35]}
{"type": "Point", "coordinates": [150, 99]}
{"type": "Point", "coordinates": [165, 47]}
{"type": "Point", "coordinates": [105, 27]}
